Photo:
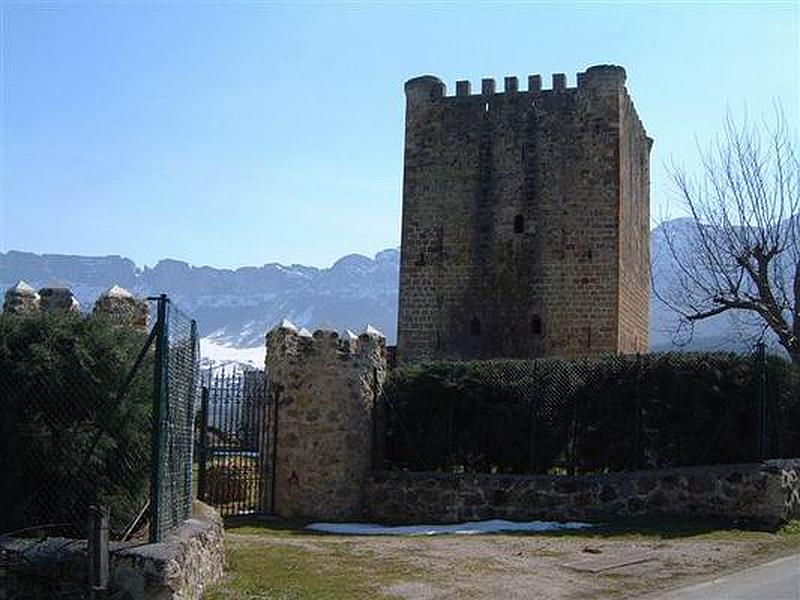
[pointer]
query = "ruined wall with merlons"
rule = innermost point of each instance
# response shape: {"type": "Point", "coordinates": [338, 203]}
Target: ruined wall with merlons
{"type": "Point", "coordinates": [525, 220]}
{"type": "Point", "coordinates": [116, 304]}
{"type": "Point", "coordinates": [325, 385]}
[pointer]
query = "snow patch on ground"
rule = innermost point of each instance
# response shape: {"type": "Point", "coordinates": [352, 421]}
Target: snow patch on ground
{"type": "Point", "coordinates": [215, 353]}
{"type": "Point", "coordinates": [471, 528]}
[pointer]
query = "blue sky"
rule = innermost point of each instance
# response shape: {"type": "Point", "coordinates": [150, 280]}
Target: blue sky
{"type": "Point", "coordinates": [234, 134]}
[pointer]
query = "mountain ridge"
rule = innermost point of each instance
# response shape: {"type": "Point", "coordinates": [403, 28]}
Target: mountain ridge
{"type": "Point", "coordinates": [234, 307]}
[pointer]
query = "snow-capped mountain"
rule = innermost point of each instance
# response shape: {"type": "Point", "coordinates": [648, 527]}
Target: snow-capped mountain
{"type": "Point", "coordinates": [234, 308]}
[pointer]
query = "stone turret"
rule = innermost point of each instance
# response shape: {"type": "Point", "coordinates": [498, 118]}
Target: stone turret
{"type": "Point", "coordinates": [120, 306]}
{"type": "Point", "coordinates": [58, 299]}
{"type": "Point", "coordinates": [326, 385]}
{"type": "Point", "coordinates": [21, 299]}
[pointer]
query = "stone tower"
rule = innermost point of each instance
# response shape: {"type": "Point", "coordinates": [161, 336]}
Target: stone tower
{"type": "Point", "coordinates": [328, 385]}
{"type": "Point", "coordinates": [525, 220]}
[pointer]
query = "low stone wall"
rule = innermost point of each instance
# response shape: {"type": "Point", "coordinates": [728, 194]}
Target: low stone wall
{"type": "Point", "coordinates": [767, 493]}
{"type": "Point", "coordinates": [188, 560]}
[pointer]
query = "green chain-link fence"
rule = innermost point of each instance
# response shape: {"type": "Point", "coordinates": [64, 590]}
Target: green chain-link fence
{"type": "Point", "coordinates": [93, 413]}
{"type": "Point", "coordinates": [176, 396]}
{"type": "Point", "coordinates": [589, 416]}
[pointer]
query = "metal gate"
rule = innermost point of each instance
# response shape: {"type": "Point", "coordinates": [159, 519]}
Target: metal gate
{"type": "Point", "coordinates": [236, 445]}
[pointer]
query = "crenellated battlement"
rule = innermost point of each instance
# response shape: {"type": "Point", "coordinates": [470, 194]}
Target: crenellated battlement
{"type": "Point", "coordinates": [287, 339]}
{"type": "Point", "coordinates": [525, 210]}
{"type": "Point", "coordinates": [326, 385]}
{"type": "Point", "coordinates": [429, 87]}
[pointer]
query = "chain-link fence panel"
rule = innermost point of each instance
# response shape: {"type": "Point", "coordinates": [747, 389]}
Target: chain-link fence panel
{"type": "Point", "coordinates": [95, 413]}
{"type": "Point", "coordinates": [74, 422]}
{"type": "Point", "coordinates": [177, 394]}
{"type": "Point", "coordinates": [616, 413]}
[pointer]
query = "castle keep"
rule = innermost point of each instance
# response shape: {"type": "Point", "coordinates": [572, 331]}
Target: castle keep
{"type": "Point", "coordinates": [525, 220]}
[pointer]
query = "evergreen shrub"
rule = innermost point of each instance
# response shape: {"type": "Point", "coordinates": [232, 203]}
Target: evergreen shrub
{"type": "Point", "coordinates": [67, 438]}
{"type": "Point", "coordinates": [588, 416]}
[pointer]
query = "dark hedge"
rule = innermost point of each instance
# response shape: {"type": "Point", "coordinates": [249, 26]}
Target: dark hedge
{"type": "Point", "coordinates": [614, 414]}
{"type": "Point", "coordinates": [66, 438]}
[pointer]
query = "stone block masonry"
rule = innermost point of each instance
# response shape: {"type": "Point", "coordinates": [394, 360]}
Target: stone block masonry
{"type": "Point", "coordinates": [21, 299]}
{"type": "Point", "coordinates": [525, 220]}
{"type": "Point", "coordinates": [766, 493]}
{"type": "Point", "coordinates": [121, 307]}
{"type": "Point", "coordinates": [189, 560]}
{"type": "Point", "coordinates": [58, 299]}
{"type": "Point", "coordinates": [326, 385]}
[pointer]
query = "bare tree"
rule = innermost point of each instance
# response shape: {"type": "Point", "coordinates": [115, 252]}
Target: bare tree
{"type": "Point", "coordinates": [742, 251]}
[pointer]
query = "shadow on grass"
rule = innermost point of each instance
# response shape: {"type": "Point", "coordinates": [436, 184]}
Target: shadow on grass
{"type": "Point", "coordinates": [629, 527]}
{"type": "Point", "coordinates": [670, 528]}
{"type": "Point", "coordinates": [251, 525]}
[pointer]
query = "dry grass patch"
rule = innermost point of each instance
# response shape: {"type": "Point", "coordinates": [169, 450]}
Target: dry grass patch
{"type": "Point", "coordinates": [281, 560]}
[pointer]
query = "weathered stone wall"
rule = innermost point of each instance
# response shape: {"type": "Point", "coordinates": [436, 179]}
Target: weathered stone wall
{"type": "Point", "coordinates": [21, 299]}
{"type": "Point", "coordinates": [121, 307]}
{"type": "Point", "coordinates": [190, 559]}
{"type": "Point", "coordinates": [512, 217]}
{"type": "Point", "coordinates": [766, 492]}
{"type": "Point", "coordinates": [58, 299]}
{"type": "Point", "coordinates": [634, 227]}
{"type": "Point", "coordinates": [326, 386]}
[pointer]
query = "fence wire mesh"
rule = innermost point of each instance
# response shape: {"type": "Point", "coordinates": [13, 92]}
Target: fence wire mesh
{"type": "Point", "coordinates": [74, 422]}
{"type": "Point", "coordinates": [177, 358]}
{"type": "Point", "coordinates": [77, 426]}
{"type": "Point", "coordinates": [589, 416]}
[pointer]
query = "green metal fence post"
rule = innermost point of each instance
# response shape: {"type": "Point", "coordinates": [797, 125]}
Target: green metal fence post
{"type": "Point", "coordinates": [203, 446]}
{"type": "Point", "coordinates": [639, 459]}
{"type": "Point", "coordinates": [761, 400]}
{"type": "Point", "coordinates": [159, 415]}
{"type": "Point", "coordinates": [97, 552]}
{"type": "Point", "coordinates": [190, 408]}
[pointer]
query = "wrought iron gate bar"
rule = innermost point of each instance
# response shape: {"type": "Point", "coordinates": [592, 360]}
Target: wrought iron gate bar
{"type": "Point", "coordinates": [234, 435]}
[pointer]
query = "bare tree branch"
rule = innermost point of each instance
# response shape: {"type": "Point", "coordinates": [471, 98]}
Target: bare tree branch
{"type": "Point", "coordinates": [743, 252]}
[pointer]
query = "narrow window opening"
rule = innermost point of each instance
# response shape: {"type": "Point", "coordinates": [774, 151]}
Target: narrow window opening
{"type": "Point", "coordinates": [519, 224]}
{"type": "Point", "coordinates": [486, 107]}
{"type": "Point", "coordinates": [589, 337]}
{"type": "Point", "coordinates": [536, 325]}
{"type": "Point", "coordinates": [475, 326]}
{"type": "Point", "coordinates": [589, 254]}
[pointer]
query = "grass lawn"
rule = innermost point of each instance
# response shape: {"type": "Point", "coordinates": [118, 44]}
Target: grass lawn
{"type": "Point", "coordinates": [269, 559]}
